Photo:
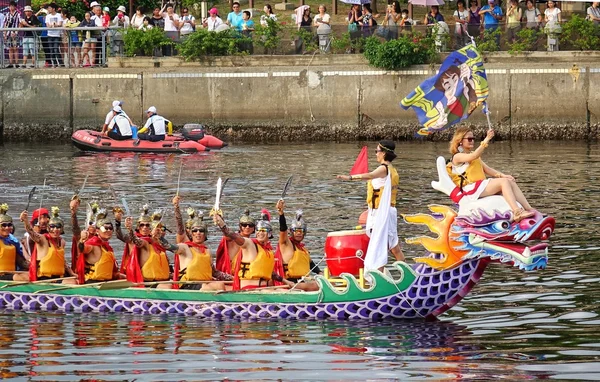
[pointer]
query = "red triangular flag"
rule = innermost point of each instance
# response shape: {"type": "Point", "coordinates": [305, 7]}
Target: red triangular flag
{"type": "Point", "coordinates": [361, 165]}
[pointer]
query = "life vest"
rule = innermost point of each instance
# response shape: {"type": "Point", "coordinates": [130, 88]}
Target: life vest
{"type": "Point", "coordinates": [373, 195]}
{"type": "Point", "coordinates": [260, 268]}
{"type": "Point", "coordinates": [299, 264]}
{"type": "Point", "coordinates": [53, 264]}
{"type": "Point", "coordinates": [120, 125]}
{"type": "Point", "coordinates": [103, 269]}
{"type": "Point", "coordinates": [473, 173]}
{"type": "Point", "coordinates": [8, 257]}
{"type": "Point", "coordinates": [156, 267]}
{"type": "Point", "coordinates": [200, 268]}
{"type": "Point", "coordinates": [157, 125]}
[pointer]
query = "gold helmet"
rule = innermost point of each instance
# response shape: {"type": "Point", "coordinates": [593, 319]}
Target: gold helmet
{"type": "Point", "coordinates": [156, 219]}
{"type": "Point", "coordinates": [192, 214]}
{"type": "Point", "coordinates": [102, 218]}
{"type": "Point", "coordinates": [246, 219]}
{"type": "Point", "coordinates": [4, 218]}
{"type": "Point", "coordinates": [91, 211]}
{"type": "Point", "coordinates": [56, 220]}
{"type": "Point", "coordinates": [144, 217]}
{"type": "Point", "coordinates": [198, 222]}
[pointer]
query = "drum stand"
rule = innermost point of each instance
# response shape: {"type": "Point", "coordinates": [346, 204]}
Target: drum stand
{"type": "Point", "coordinates": [341, 283]}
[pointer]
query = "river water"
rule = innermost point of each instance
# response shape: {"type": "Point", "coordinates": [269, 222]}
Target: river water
{"type": "Point", "coordinates": [513, 325]}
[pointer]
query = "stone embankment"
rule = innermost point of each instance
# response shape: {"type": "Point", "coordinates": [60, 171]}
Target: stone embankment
{"type": "Point", "coordinates": [299, 98]}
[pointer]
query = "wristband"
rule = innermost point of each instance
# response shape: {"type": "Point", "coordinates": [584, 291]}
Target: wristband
{"type": "Point", "coordinates": [117, 224]}
{"type": "Point", "coordinates": [282, 223]}
{"type": "Point", "coordinates": [484, 144]}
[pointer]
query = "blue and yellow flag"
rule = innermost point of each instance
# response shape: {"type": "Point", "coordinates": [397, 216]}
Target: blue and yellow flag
{"type": "Point", "coordinates": [452, 95]}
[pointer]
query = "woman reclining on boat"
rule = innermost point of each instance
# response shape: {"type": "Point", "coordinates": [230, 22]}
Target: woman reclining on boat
{"type": "Point", "coordinates": [469, 172]}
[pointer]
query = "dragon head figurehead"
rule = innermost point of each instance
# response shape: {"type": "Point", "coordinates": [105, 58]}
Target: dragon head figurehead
{"type": "Point", "coordinates": [481, 230]}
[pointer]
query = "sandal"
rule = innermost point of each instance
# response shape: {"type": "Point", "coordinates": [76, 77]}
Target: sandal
{"type": "Point", "coordinates": [521, 214]}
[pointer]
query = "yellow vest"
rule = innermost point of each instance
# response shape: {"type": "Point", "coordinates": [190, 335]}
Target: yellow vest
{"type": "Point", "coordinates": [261, 267]}
{"type": "Point", "coordinates": [157, 266]}
{"type": "Point", "coordinates": [299, 264]}
{"type": "Point", "coordinates": [103, 269]}
{"type": "Point", "coordinates": [473, 173]}
{"type": "Point", "coordinates": [373, 195]}
{"type": "Point", "coordinates": [234, 260]}
{"type": "Point", "coordinates": [200, 268]}
{"type": "Point", "coordinates": [53, 264]}
{"type": "Point", "coordinates": [8, 257]}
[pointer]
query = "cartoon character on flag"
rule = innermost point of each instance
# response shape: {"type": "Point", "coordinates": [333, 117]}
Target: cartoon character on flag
{"type": "Point", "coordinates": [452, 95]}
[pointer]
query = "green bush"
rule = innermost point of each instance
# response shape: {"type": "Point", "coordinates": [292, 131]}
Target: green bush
{"type": "Point", "coordinates": [395, 54]}
{"type": "Point", "coordinates": [525, 41]}
{"type": "Point", "coordinates": [268, 36]}
{"type": "Point", "coordinates": [488, 40]}
{"type": "Point", "coordinates": [139, 42]}
{"type": "Point", "coordinates": [344, 44]}
{"type": "Point", "coordinates": [309, 40]}
{"type": "Point", "coordinates": [204, 43]}
{"type": "Point", "coordinates": [581, 33]}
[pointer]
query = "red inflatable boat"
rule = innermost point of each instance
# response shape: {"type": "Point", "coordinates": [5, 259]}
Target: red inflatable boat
{"type": "Point", "coordinates": [191, 141]}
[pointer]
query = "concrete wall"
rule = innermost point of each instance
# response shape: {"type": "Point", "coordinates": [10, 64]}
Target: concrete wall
{"type": "Point", "coordinates": [300, 98]}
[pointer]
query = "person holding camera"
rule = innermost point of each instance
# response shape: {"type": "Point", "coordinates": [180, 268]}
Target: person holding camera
{"type": "Point", "coordinates": [187, 22]}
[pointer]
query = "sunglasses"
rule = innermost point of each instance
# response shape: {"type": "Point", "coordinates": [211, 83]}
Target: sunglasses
{"type": "Point", "coordinates": [244, 225]}
{"type": "Point", "coordinates": [196, 230]}
{"type": "Point", "coordinates": [470, 139]}
{"type": "Point", "coordinates": [298, 230]}
{"type": "Point", "coordinates": [55, 226]}
{"type": "Point", "coordinates": [6, 225]}
{"type": "Point", "coordinates": [108, 227]}
{"type": "Point", "coordinates": [142, 225]}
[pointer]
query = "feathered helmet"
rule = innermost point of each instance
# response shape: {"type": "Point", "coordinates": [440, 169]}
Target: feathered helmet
{"type": "Point", "coordinates": [298, 223]}
{"type": "Point", "coordinates": [55, 219]}
{"type": "Point", "coordinates": [156, 219]}
{"type": "Point", "coordinates": [144, 217]}
{"type": "Point", "coordinates": [192, 214]}
{"type": "Point", "coordinates": [4, 218]}
{"type": "Point", "coordinates": [246, 219]}
{"type": "Point", "coordinates": [102, 218]}
{"type": "Point", "coordinates": [265, 221]}
{"type": "Point", "coordinates": [198, 222]}
{"type": "Point", "coordinates": [91, 211]}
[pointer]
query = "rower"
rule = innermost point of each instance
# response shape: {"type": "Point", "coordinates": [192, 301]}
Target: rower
{"type": "Point", "coordinates": [255, 266]}
{"type": "Point", "coordinates": [228, 250]}
{"type": "Point", "coordinates": [90, 225]}
{"type": "Point", "coordinates": [144, 258]}
{"type": "Point", "coordinates": [193, 260]}
{"type": "Point", "coordinates": [11, 253]}
{"type": "Point", "coordinates": [296, 258]}
{"type": "Point", "coordinates": [48, 255]}
{"type": "Point", "coordinates": [39, 222]}
{"type": "Point", "coordinates": [155, 125]}
{"type": "Point", "coordinates": [98, 262]}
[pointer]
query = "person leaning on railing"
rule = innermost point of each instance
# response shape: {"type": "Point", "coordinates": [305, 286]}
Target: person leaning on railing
{"type": "Point", "coordinates": [29, 21]}
{"type": "Point", "coordinates": [532, 16]}
{"type": "Point", "coordinates": [593, 12]}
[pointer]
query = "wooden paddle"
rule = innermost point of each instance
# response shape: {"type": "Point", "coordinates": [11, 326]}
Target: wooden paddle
{"type": "Point", "coordinates": [49, 281]}
{"type": "Point", "coordinates": [122, 284]}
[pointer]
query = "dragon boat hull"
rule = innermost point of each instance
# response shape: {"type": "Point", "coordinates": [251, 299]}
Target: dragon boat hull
{"type": "Point", "coordinates": [421, 292]}
{"type": "Point", "coordinates": [89, 140]}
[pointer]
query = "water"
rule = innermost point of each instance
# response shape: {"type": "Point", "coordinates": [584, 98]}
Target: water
{"type": "Point", "coordinates": [513, 325]}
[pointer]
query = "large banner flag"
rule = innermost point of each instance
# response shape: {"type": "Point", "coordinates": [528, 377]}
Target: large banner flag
{"type": "Point", "coordinates": [452, 95]}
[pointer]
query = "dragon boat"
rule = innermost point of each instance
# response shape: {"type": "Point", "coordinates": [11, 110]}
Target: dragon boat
{"type": "Point", "coordinates": [467, 241]}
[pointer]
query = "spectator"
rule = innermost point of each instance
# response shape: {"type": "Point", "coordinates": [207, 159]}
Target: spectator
{"type": "Point", "coordinates": [138, 19]}
{"type": "Point", "coordinates": [321, 21]}
{"type": "Point", "coordinates": [368, 22]}
{"type": "Point", "coordinates": [171, 28]}
{"type": "Point", "coordinates": [593, 13]}
{"type": "Point", "coordinates": [64, 36]}
{"type": "Point", "coordinates": [393, 16]}
{"type": "Point", "coordinates": [213, 21]}
{"type": "Point", "coordinates": [553, 19]}
{"type": "Point", "coordinates": [513, 20]}
{"type": "Point", "coordinates": [29, 21]}
{"type": "Point", "coordinates": [105, 17]}
{"type": "Point", "coordinates": [305, 21]}
{"type": "Point", "coordinates": [98, 20]}
{"type": "Point", "coordinates": [235, 17]}
{"type": "Point", "coordinates": [461, 16]}
{"type": "Point", "coordinates": [532, 17]}
{"type": "Point", "coordinates": [187, 22]}
{"type": "Point", "coordinates": [121, 19]}
{"type": "Point", "coordinates": [247, 29]}
{"type": "Point", "coordinates": [89, 42]}
{"type": "Point", "coordinates": [355, 17]}
{"type": "Point", "coordinates": [492, 14]}
{"type": "Point", "coordinates": [75, 38]}
{"type": "Point", "coordinates": [268, 15]}
{"type": "Point", "coordinates": [147, 24]}
{"type": "Point", "coordinates": [322, 18]}
{"type": "Point", "coordinates": [474, 20]}
{"type": "Point", "coordinates": [158, 20]}
{"type": "Point", "coordinates": [405, 21]}
{"type": "Point", "coordinates": [41, 16]}
{"type": "Point", "coordinates": [54, 20]}
{"type": "Point", "coordinates": [12, 19]}
{"type": "Point", "coordinates": [433, 16]}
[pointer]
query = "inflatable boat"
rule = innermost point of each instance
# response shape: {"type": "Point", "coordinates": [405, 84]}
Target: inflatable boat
{"type": "Point", "coordinates": [192, 140]}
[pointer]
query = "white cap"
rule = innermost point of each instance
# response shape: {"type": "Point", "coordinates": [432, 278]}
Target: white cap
{"type": "Point", "coordinates": [27, 9]}
{"type": "Point", "coordinates": [151, 109]}
{"type": "Point", "coordinates": [117, 109]}
{"type": "Point", "coordinates": [117, 103]}
{"type": "Point", "coordinates": [122, 9]}
{"type": "Point", "coordinates": [94, 4]}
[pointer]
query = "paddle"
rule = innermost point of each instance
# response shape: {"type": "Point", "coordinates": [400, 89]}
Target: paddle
{"type": "Point", "coordinates": [29, 198]}
{"type": "Point", "coordinates": [123, 284]}
{"type": "Point", "coordinates": [49, 281]}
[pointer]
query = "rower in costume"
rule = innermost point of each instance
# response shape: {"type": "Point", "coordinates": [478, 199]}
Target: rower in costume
{"type": "Point", "coordinates": [48, 254]}
{"type": "Point", "coordinates": [228, 251]}
{"type": "Point", "coordinates": [97, 261]}
{"type": "Point", "coordinates": [295, 256]}
{"type": "Point", "coordinates": [39, 222]}
{"type": "Point", "coordinates": [90, 224]}
{"type": "Point", "coordinates": [193, 259]}
{"type": "Point", "coordinates": [11, 253]}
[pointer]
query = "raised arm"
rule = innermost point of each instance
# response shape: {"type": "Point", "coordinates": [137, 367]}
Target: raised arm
{"type": "Point", "coordinates": [132, 237]}
{"type": "Point", "coordinates": [180, 234]}
{"type": "Point", "coordinates": [236, 237]}
{"type": "Point", "coordinates": [469, 157]}
{"type": "Point", "coordinates": [123, 237]}
{"type": "Point", "coordinates": [379, 172]}
{"type": "Point", "coordinates": [284, 240]}
{"type": "Point", "coordinates": [36, 237]}
{"type": "Point", "coordinates": [74, 205]}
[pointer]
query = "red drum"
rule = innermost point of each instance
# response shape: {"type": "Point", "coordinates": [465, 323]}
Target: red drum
{"type": "Point", "coordinates": [345, 251]}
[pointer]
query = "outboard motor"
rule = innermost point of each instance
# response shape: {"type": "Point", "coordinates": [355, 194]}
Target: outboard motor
{"type": "Point", "coordinates": [193, 131]}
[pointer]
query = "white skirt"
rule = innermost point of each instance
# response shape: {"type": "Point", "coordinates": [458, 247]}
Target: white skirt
{"type": "Point", "coordinates": [392, 226]}
{"type": "Point", "coordinates": [476, 194]}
